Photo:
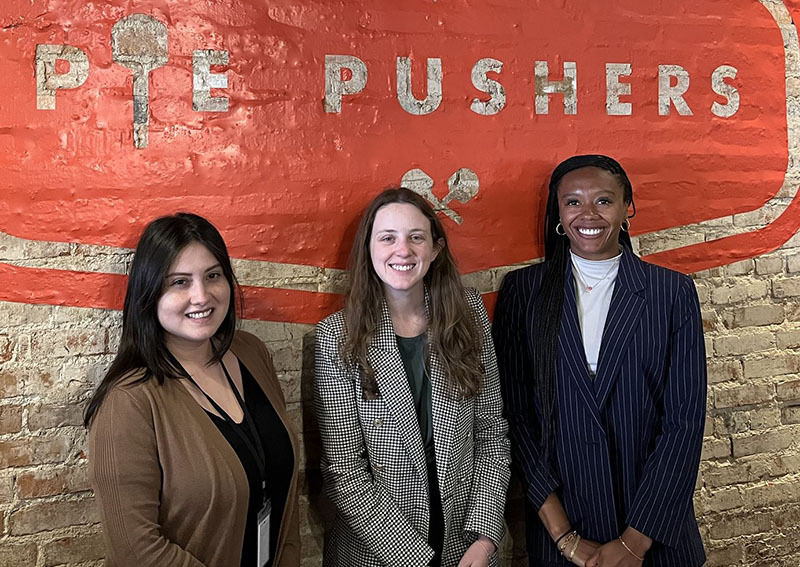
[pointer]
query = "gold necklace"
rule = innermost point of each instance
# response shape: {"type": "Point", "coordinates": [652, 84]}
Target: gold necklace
{"type": "Point", "coordinates": [582, 278]}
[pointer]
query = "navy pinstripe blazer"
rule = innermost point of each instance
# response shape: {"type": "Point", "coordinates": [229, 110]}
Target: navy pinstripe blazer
{"type": "Point", "coordinates": [628, 441]}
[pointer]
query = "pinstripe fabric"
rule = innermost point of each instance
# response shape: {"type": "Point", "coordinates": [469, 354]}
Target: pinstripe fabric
{"type": "Point", "coordinates": [628, 442]}
{"type": "Point", "coordinates": [373, 461]}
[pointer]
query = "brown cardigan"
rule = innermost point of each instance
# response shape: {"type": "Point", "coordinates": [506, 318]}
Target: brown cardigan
{"type": "Point", "coordinates": [171, 490]}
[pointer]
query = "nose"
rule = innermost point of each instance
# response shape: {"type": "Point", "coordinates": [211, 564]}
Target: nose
{"type": "Point", "coordinates": [589, 210]}
{"type": "Point", "coordinates": [403, 248]}
{"type": "Point", "coordinates": [199, 293]}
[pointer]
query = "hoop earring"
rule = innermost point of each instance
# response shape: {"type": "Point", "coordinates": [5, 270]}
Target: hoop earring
{"type": "Point", "coordinates": [563, 232]}
{"type": "Point", "coordinates": [625, 226]}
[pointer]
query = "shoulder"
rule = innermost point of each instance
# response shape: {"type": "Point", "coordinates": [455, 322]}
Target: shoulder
{"type": "Point", "coordinates": [525, 278]}
{"type": "Point", "coordinates": [242, 340]}
{"type": "Point", "coordinates": [665, 279]}
{"type": "Point", "coordinates": [129, 400]}
{"type": "Point", "coordinates": [331, 330]}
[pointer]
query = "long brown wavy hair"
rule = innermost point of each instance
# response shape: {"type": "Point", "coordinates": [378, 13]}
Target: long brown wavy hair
{"type": "Point", "coordinates": [454, 333]}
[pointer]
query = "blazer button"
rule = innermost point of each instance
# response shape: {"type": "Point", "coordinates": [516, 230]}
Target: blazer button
{"type": "Point", "coordinates": [378, 422]}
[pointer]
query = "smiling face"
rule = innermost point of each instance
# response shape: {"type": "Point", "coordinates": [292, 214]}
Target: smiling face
{"type": "Point", "coordinates": [195, 299]}
{"type": "Point", "coordinates": [402, 249]}
{"type": "Point", "coordinates": [592, 208]}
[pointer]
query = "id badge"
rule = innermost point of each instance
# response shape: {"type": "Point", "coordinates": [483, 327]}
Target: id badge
{"type": "Point", "coordinates": [263, 533]}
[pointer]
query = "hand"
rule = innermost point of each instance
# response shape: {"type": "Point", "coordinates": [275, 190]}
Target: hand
{"type": "Point", "coordinates": [586, 549]}
{"type": "Point", "coordinates": [613, 554]}
{"type": "Point", "coordinates": [479, 553]}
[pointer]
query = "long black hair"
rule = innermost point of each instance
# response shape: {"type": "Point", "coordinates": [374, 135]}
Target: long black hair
{"type": "Point", "coordinates": [550, 300]}
{"type": "Point", "coordinates": [142, 346]}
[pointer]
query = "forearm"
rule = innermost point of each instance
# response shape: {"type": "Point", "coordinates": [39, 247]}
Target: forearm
{"type": "Point", "coordinates": [554, 517]}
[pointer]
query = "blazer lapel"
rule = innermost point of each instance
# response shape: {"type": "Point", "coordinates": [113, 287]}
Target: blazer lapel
{"type": "Point", "coordinates": [384, 356]}
{"type": "Point", "coordinates": [622, 321]}
{"type": "Point", "coordinates": [572, 351]}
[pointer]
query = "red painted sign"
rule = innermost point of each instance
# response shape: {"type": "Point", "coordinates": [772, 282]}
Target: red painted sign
{"type": "Point", "coordinates": [318, 107]}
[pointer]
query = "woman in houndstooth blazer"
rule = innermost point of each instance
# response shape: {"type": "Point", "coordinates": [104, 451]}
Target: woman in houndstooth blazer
{"type": "Point", "coordinates": [415, 450]}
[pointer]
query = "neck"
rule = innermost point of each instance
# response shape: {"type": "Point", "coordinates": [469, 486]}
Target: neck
{"type": "Point", "coordinates": [190, 353]}
{"type": "Point", "coordinates": [407, 311]}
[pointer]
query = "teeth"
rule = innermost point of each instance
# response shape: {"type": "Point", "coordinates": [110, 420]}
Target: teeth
{"type": "Point", "coordinates": [402, 268]}
{"type": "Point", "coordinates": [590, 231]}
{"type": "Point", "coordinates": [200, 314]}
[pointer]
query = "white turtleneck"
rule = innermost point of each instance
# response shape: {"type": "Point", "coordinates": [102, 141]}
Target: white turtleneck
{"type": "Point", "coordinates": [593, 304]}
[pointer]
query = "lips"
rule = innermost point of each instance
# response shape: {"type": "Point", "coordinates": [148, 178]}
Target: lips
{"type": "Point", "coordinates": [200, 314]}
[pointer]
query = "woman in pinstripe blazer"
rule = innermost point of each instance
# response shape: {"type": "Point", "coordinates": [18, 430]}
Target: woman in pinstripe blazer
{"type": "Point", "coordinates": [602, 362]}
{"type": "Point", "coordinates": [415, 450]}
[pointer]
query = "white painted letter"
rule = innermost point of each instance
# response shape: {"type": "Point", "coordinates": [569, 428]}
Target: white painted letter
{"type": "Point", "coordinates": [404, 95]}
{"type": "Point", "coordinates": [335, 86]}
{"type": "Point", "coordinates": [483, 83]}
{"type": "Point", "coordinates": [48, 81]}
{"type": "Point", "coordinates": [667, 93]}
{"type": "Point", "coordinates": [615, 89]}
{"type": "Point", "coordinates": [568, 86]}
{"type": "Point", "coordinates": [204, 80]}
{"type": "Point", "coordinates": [724, 89]}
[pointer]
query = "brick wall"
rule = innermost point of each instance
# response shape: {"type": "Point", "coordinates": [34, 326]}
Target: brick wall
{"type": "Point", "coordinates": [748, 490]}
{"type": "Point", "coordinates": [57, 165]}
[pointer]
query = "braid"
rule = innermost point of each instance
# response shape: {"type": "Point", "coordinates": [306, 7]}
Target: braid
{"type": "Point", "coordinates": [550, 299]}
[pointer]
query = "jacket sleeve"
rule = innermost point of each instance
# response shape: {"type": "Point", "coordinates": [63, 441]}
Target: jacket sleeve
{"type": "Point", "coordinates": [491, 474]}
{"type": "Point", "coordinates": [363, 504]}
{"type": "Point", "coordinates": [125, 475]}
{"type": "Point", "coordinates": [511, 342]}
{"type": "Point", "coordinates": [664, 495]}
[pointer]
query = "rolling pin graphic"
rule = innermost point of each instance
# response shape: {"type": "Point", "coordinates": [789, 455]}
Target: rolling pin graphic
{"type": "Point", "coordinates": [139, 42]}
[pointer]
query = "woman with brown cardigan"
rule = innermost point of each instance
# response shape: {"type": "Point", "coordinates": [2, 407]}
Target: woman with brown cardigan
{"type": "Point", "coordinates": [192, 456]}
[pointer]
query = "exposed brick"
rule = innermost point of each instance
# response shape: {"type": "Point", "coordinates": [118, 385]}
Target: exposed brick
{"type": "Point", "coordinates": [789, 287]}
{"type": "Point", "coordinates": [33, 451]}
{"type": "Point", "coordinates": [789, 390]}
{"type": "Point", "coordinates": [756, 419]}
{"type": "Point", "coordinates": [756, 316]}
{"type": "Point", "coordinates": [745, 343]}
{"type": "Point", "coordinates": [43, 516]}
{"type": "Point", "coordinates": [769, 265]}
{"type": "Point", "coordinates": [16, 314]}
{"type": "Point", "coordinates": [790, 415]}
{"type": "Point", "coordinates": [47, 416]}
{"type": "Point", "coordinates": [774, 365]}
{"type": "Point", "coordinates": [741, 268]}
{"type": "Point", "coordinates": [747, 394]}
{"type": "Point", "coordinates": [8, 384]}
{"type": "Point", "coordinates": [10, 419]}
{"type": "Point", "coordinates": [6, 489]}
{"type": "Point", "coordinates": [50, 482]}
{"type": "Point", "coordinates": [716, 448]}
{"type": "Point", "coordinates": [6, 348]}
{"type": "Point", "coordinates": [793, 263]}
{"type": "Point", "coordinates": [721, 500]}
{"type": "Point", "coordinates": [725, 556]}
{"type": "Point", "coordinates": [738, 292]}
{"type": "Point", "coordinates": [724, 371]}
{"type": "Point", "coordinates": [753, 523]}
{"type": "Point", "coordinates": [764, 442]}
{"type": "Point", "coordinates": [73, 549]}
{"type": "Point", "coordinates": [68, 342]}
{"type": "Point", "coordinates": [18, 554]}
{"type": "Point", "coordinates": [788, 339]}
{"type": "Point", "coordinates": [772, 493]}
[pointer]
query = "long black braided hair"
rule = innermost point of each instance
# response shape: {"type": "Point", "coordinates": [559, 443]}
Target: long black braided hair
{"type": "Point", "coordinates": [550, 300]}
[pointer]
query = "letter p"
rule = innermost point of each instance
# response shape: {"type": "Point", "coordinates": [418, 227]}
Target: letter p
{"type": "Point", "coordinates": [336, 86]}
{"type": "Point", "coordinates": [48, 81]}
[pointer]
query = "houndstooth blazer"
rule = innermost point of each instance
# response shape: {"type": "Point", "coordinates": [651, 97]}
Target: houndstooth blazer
{"type": "Point", "coordinates": [373, 461]}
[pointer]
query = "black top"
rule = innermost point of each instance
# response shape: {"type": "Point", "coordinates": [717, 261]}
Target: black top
{"type": "Point", "coordinates": [279, 460]}
{"type": "Point", "coordinates": [412, 351]}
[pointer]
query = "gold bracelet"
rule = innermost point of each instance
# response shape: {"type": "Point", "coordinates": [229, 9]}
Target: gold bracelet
{"type": "Point", "coordinates": [625, 545]}
{"type": "Point", "coordinates": [566, 541]}
{"type": "Point", "coordinates": [574, 548]}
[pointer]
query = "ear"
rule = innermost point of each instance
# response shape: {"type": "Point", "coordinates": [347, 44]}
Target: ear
{"type": "Point", "coordinates": [438, 246]}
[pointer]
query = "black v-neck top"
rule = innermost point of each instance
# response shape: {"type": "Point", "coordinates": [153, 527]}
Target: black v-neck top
{"type": "Point", "coordinates": [279, 460]}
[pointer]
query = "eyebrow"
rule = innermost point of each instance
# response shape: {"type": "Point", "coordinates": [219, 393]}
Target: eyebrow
{"type": "Point", "coordinates": [171, 274]}
{"type": "Point", "coordinates": [392, 230]}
